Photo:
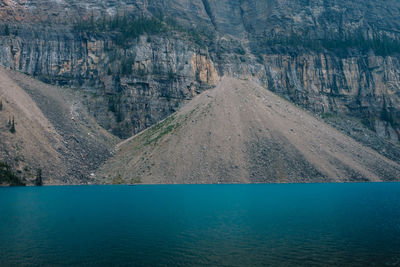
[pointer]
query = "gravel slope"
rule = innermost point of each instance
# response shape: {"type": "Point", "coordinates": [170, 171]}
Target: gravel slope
{"type": "Point", "coordinates": [53, 131]}
{"type": "Point", "coordinates": [241, 133]}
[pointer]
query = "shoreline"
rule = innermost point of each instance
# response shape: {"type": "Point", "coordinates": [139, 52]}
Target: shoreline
{"type": "Point", "coordinates": [257, 183]}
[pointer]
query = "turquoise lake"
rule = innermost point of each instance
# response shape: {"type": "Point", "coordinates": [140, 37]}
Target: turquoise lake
{"type": "Point", "coordinates": [201, 225]}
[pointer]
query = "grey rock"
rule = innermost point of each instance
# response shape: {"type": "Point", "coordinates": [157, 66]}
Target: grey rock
{"type": "Point", "coordinates": [165, 70]}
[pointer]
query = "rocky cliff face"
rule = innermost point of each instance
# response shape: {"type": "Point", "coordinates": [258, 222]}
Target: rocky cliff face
{"type": "Point", "coordinates": [333, 57]}
{"type": "Point", "coordinates": [135, 86]}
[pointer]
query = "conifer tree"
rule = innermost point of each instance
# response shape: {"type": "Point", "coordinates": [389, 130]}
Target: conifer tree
{"type": "Point", "coordinates": [12, 128]}
{"type": "Point", "coordinates": [6, 30]}
{"type": "Point", "coordinates": [39, 179]}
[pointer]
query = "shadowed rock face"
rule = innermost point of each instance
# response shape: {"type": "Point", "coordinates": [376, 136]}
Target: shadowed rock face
{"type": "Point", "coordinates": [278, 42]}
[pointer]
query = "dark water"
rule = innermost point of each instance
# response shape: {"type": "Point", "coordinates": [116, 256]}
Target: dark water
{"type": "Point", "coordinates": [224, 225]}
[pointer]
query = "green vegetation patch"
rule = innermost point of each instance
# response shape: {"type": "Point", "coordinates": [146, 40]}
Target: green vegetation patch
{"type": "Point", "coordinates": [4, 30]}
{"type": "Point", "coordinates": [380, 43]}
{"type": "Point", "coordinates": [8, 177]}
{"type": "Point", "coordinates": [118, 180]}
{"type": "Point", "coordinates": [137, 180]}
{"type": "Point", "coordinates": [155, 133]}
{"type": "Point", "coordinates": [327, 115]}
{"type": "Point", "coordinates": [127, 28]}
{"type": "Point", "coordinates": [198, 37]}
{"type": "Point", "coordinates": [368, 122]}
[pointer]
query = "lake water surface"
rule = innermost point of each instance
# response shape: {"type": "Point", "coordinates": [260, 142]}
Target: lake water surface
{"type": "Point", "coordinates": [219, 225]}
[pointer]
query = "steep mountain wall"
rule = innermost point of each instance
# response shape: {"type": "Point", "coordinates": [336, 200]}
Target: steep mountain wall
{"type": "Point", "coordinates": [332, 57]}
{"type": "Point", "coordinates": [140, 84]}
